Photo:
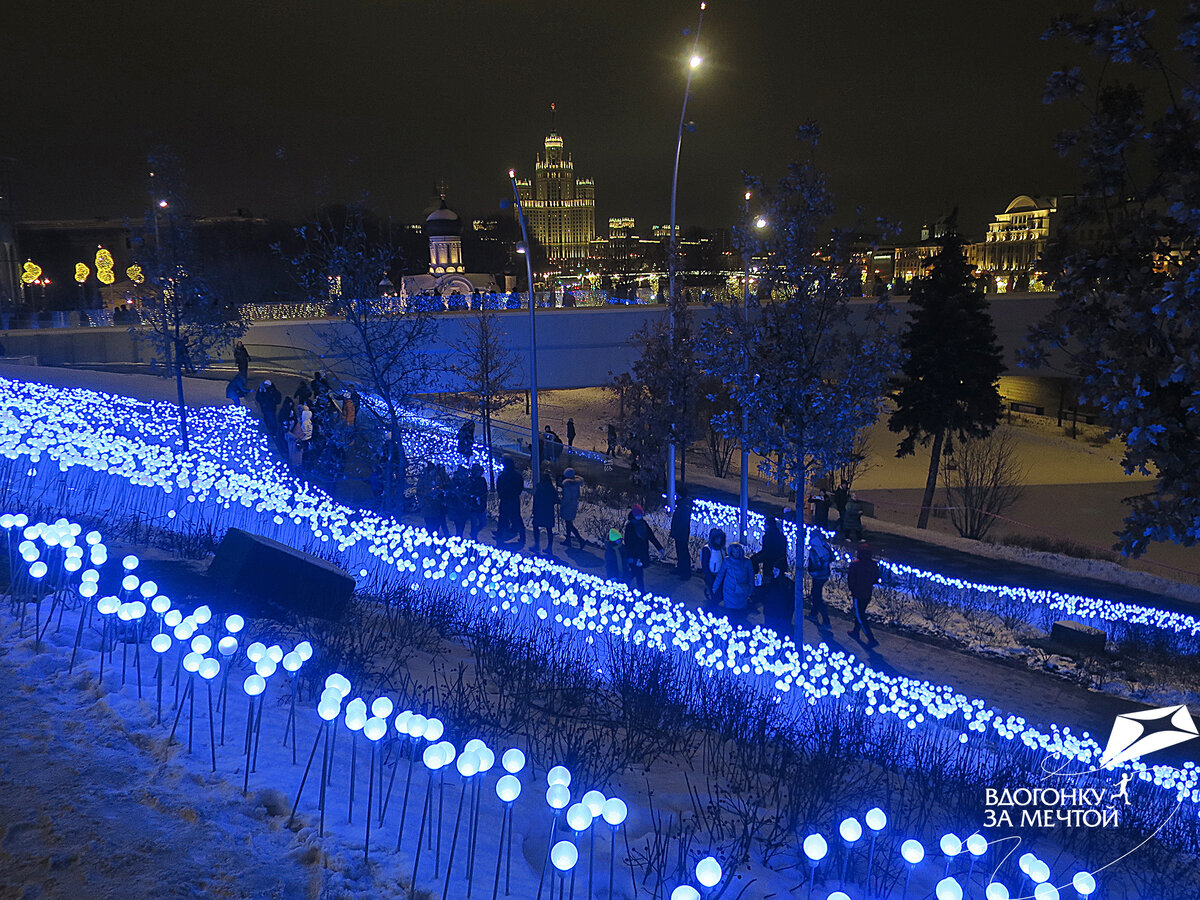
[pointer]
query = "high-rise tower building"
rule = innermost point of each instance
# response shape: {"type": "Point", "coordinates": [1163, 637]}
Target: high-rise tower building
{"type": "Point", "coordinates": [560, 208]}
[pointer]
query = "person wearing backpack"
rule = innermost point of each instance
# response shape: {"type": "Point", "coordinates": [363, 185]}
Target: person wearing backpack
{"type": "Point", "coordinates": [820, 558]}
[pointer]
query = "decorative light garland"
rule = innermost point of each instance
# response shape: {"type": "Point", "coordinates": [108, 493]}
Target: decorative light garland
{"type": "Point", "coordinates": [122, 452]}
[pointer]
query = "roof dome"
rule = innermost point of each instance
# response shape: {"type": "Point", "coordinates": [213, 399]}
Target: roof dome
{"type": "Point", "coordinates": [443, 222]}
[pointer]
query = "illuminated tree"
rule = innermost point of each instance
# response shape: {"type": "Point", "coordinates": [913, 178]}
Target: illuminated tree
{"type": "Point", "coordinates": [809, 370]}
{"type": "Point", "coordinates": [952, 361]}
{"type": "Point", "coordinates": [187, 324]}
{"type": "Point", "coordinates": [1126, 264]}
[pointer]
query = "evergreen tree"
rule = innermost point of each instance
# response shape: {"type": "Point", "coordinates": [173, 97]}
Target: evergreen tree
{"type": "Point", "coordinates": [1126, 321]}
{"type": "Point", "coordinates": [952, 360]}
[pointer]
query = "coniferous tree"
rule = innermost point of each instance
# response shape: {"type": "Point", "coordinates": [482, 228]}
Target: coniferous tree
{"type": "Point", "coordinates": [952, 361]}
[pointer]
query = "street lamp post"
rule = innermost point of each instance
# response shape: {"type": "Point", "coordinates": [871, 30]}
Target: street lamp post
{"type": "Point", "coordinates": [744, 493]}
{"type": "Point", "coordinates": [672, 249]}
{"type": "Point", "coordinates": [534, 457]}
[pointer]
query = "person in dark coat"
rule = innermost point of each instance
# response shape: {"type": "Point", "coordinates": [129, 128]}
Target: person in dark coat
{"type": "Point", "coordinates": [840, 496]}
{"type": "Point", "coordinates": [568, 508]}
{"type": "Point", "coordinates": [431, 494]}
{"type": "Point", "coordinates": [681, 533]}
{"type": "Point", "coordinates": [612, 441]}
{"type": "Point", "coordinates": [303, 392]}
{"type": "Point", "coordinates": [545, 499]}
{"type": "Point", "coordinates": [286, 422]}
{"type": "Point", "coordinates": [268, 398]}
{"type": "Point", "coordinates": [241, 357]}
{"type": "Point", "coordinates": [820, 559]}
{"type": "Point", "coordinates": [614, 556]}
{"type": "Point", "coordinates": [712, 558]}
{"type": "Point", "coordinates": [774, 547]}
{"type": "Point", "coordinates": [458, 502]}
{"type": "Point", "coordinates": [735, 582]}
{"type": "Point", "coordinates": [236, 389]}
{"type": "Point", "coordinates": [477, 491]}
{"type": "Point", "coordinates": [638, 538]}
{"type": "Point", "coordinates": [820, 507]}
{"type": "Point", "coordinates": [861, 578]}
{"type": "Point", "coordinates": [466, 438]}
{"type": "Point", "coordinates": [509, 486]}
{"type": "Point", "coordinates": [851, 523]}
{"type": "Point", "coordinates": [778, 599]}
{"type": "Point", "coordinates": [571, 433]}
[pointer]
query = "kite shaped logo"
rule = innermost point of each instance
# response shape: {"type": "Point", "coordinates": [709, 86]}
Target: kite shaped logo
{"type": "Point", "coordinates": [1137, 734]}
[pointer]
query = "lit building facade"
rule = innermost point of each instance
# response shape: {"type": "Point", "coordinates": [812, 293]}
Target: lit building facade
{"type": "Point", "coordinates": [1016, 240]}
{"type": "Point", "coordinates": [560, 208]}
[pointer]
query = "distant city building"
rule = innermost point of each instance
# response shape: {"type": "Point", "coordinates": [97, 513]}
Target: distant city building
{"type": "Point", "coordinates": [1015, 242]}
{"type": "Point", "coordinates": [447, 273]}
{"type": "Point", "coordinates": [621, 226]}
{"type": "Point", "coordinates": [560, 208]}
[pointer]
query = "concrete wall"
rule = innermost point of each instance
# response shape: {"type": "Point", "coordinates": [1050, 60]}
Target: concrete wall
{"type": "Point", "coordinates": [576, 347]}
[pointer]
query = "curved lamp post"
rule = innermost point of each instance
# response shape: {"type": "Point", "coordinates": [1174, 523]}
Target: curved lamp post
{"type": "Point", "coordinates": [694, 62]}
{"type": "Point", "coordinates": [534, 456]}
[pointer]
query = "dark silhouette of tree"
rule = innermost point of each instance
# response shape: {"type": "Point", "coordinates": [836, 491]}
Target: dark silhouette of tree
{"type": "Point", "coordinates": [489, 369]}
{"type": "Point", "coordinates": [952, 361]}
{"type": "Point", "coordinates": [808, 370]}
{"type": "Point", "coordinates": [1125, 264]}
{"type": "Point", "coordinates": [658, 398]}
{"type": "Point", "coordinates": [186, 321]}
{"type": "Point", "coordinates": [384, 347]}
{"type": "Point", "coordinates": [985, 481]}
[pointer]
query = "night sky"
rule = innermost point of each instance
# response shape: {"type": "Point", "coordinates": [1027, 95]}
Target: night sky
{"type": "Point", "coordinates": [269, 105]}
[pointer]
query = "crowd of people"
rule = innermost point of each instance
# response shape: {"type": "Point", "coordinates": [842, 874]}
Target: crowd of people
{"type": "Point", "coordinates": [312, 428]}
{"type": "Point", "coordinates": [316, 424]}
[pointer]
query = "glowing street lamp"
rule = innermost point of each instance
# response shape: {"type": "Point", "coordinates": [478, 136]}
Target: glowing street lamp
{"type": "Point", "coordinates": [708, 873]}
{"type": "Point", "coordinates": [614, 813]}
{"type": "Point", "coordinates": [672, 248]}
{"type": "Point", "coordinates": [523, 247]}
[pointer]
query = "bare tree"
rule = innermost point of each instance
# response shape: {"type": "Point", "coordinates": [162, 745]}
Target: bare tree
{"type": "Point", "coordinates": [856, 463]}
{"type": "Point", "coordinates": [184, 319]}
{"type": "Point", "coordinates": [384, 347]}
{"type": "Point", "coordinates": [342, 259]}
{"type": "Point", "coordinates": [488, 367]}
{"type": "Point", "coordinates": [714, 400]}
{"type": "Point", "coordinates": [985, 480]}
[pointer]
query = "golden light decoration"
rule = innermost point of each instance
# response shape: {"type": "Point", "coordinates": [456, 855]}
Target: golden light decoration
{"type": "Point", "coordinates": [31, 272]}
{"type": "Point", "coordinates": [134, 273]}
{"type": "Point", "coordinates": [104, 266]}
{"type": "Point", "coordinates": [82, 272]}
